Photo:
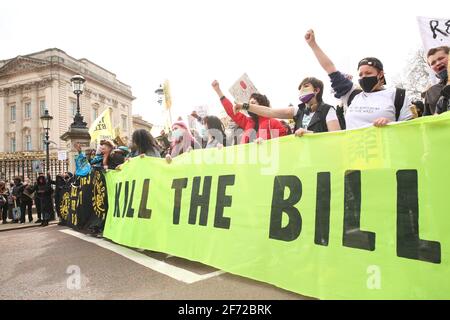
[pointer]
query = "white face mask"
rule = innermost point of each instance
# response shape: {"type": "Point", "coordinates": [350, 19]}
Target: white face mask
{"type": "Point", "coordinates": [203, 132]}
{"type": "Point", "coordinates": [177, 134]}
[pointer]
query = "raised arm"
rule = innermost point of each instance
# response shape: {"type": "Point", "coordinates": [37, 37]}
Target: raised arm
{"type": "Point", "coordinates": [238, 118]}
{"type": "Point", "coordinates": [323, 59]}
{"type": "Point", "coordinates": [217, 89]}
{"type": "Point", "coordinates": [340, 83]}
{"type": "Point", "coordinates": [263, 111]}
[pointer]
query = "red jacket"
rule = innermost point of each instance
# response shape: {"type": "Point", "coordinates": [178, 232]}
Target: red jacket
{"type": "Point", "coordinates": [268, 128]}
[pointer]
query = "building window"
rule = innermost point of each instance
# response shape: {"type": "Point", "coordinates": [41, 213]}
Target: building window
{"type": "Point", "coordinates": [124, 123]}
{"type": "Point", "coordinates": [13, 113]}
{"type": "Point", "coordinates": [27, 110]}
{"type": "Point", "coordinates": [28, 143]}
{"type": "Point", "coordinates": [42, 107]}
{"type": "Point", "coordinates": [13, 145]}
{"type": "Point", "coordinates": [73, 107]}
{"type": "Point", "coordinates": [94, 114]}
{"type": "Point", "coordinates": [41, 141]}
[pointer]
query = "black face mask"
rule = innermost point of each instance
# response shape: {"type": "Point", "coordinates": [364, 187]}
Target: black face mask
{"type": "Point", "coordinates": [368, 83]}
{"type": "Point", "coordinates": [443, 75]}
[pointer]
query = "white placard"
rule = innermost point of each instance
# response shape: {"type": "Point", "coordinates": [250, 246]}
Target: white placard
{"type": "Point", "coordinates": [435, 32]}
{"type": "Point", "coordinates": [242, 89]}
{"type": "Point", "coordinates": [38, 166]}
{"type": "Point", "coordinates": [62, 155]}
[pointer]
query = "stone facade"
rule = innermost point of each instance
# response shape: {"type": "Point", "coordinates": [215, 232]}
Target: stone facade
{"type": "Point", "coordinates": [32, 82]}
{"type": "Point", "coordinates": [139, 123]}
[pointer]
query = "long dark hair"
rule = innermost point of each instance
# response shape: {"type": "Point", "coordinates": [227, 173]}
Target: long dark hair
{"type": "Point", "coordinates": [144, 141]}
{"type": "Point", "coordinates": [214, 123]}
{"type": "Point", "coordinates": [262, 101]}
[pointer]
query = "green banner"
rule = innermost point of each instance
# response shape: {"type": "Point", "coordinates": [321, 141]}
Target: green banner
{"type": "Point", "coordinates": [359, 214]}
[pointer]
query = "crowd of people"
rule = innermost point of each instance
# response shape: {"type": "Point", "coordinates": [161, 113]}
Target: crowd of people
{"type": "Point", "coordinates": [366, 103]}
{"type": "Point", "coordinates": [17, 198]}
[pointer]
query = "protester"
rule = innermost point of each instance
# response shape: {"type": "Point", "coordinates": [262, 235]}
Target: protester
{"type": "Point", "coordinates": [234, 133]}
{"type": "Point", "coordinates": [17, 191]}
{"type": "Point", "coordinates": [287, 127]}
{"type": "Point", "coordinates": [163, 143]}
{"type": "Point", "coordinates": [311, 115]}
{"type": "Point", "coordinates": [215, 132]}
{"type": "Point", "coordinates": [265, 128]}
{"type": "Point", "coordinates": [199, 136]}
{"type": "Point", "coordinates": [437, 59]}
{"type": "Point", "coordinates": [60, 183]}
{"type": "Point", "coordinates": [4, 194]}
{"type": "Point", "coordinates": [90, 154]}
{"type": "Point", "coordinates": [82, 165]}
{"type": "Point", "coordinates": [101, 159]}
{"type": "Point", "coordinates": [182, 140]}
{"type": "Point", "coordinates": [118, 156]}
{"type": "Point", "coordinates": [443, 104]}
{"type": "Point", "coordinates": [374, 104]}
{"type": "Point", "coordinates": [26, 201]}
{"type": "Point", "coordinates": [44, 190]}
{"type": "Point", "coordinates": [143, 143]}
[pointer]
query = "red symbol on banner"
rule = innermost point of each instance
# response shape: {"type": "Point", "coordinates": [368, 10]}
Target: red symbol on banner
{"type": "Point", "coordinates": [243, 85]}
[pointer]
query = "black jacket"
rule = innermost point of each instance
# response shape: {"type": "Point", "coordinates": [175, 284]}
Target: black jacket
{"type": "Point", "coordinates": [318, 122]}
{"type": "Point", "coordinates": [432, 96]}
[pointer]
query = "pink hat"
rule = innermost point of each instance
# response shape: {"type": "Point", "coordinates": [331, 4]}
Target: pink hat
{"type": "Point", "coordinates": [180, 124]}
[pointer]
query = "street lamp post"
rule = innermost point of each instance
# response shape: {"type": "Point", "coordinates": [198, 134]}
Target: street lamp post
{"type": "Point", "coordinates": [46, 118]}
{"type": "Point", "coordinates": [78, 131]}
{"type": "Point", "coordinates": [160, 94]}
{"type": "Point", "coordinates": [78, 86]}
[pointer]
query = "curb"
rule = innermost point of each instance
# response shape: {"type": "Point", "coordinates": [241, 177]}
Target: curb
{"type": "Point", "coordinates": [28, 226]}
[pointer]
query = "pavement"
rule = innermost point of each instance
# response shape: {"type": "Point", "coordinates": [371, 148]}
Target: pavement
{"type": "Point", "coordinates": [14, 226]}
{"type": "Point", "coordinates": [55, 262]}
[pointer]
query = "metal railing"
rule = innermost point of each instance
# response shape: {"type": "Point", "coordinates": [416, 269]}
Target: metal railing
{"type": "Point", "coordinates": [29, 165]}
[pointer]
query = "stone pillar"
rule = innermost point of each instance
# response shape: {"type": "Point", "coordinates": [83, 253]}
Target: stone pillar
{"type": "Point", "coordinates": [3, 123]}
{"type": "Point", "coordinates": [19, 119]}
{"type": "Point", "coordinates": [35, 117]}
{"type": "Point", "coordinates": [71, 137]}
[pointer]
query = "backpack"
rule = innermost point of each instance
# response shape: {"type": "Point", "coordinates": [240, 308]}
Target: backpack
{"type": "Point", "coordinates": [398, 103]}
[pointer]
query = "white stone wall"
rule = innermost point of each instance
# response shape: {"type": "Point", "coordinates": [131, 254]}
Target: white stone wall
{"type": "Point", "coordinates": [33, 82]}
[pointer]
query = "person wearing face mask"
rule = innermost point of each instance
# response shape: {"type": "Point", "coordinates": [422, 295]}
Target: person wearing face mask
{"type": "Point", "coordinates": [436, 98]}
{"type": "Point", "coordinates": [311, 115]}
{"type": "Point", "coordinates": [201, 134]}
{"type": "Point", "coordinates": [182, 140]}
{"type": "Point", "coordinates": [265, 128]}
{"type": "Point", "coordinates": [375, 104]}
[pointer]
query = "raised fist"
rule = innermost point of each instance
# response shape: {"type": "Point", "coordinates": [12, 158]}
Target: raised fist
{"type": "Point", "coordinates": [310, 37]}
{"type": "Point", "coordinates": [215, 85]}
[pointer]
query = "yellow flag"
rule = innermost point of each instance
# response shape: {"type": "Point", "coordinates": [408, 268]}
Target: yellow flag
{"type": "Point", "coordinates": [102, 128]}
{"type": "Point", "coordinates": [167, 96]}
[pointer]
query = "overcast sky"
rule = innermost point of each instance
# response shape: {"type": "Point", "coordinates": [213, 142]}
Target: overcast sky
{"type": "Point", "coordinates": [192, 42]}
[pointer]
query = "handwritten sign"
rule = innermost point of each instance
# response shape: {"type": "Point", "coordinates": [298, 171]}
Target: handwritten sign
{"type": "Point", "coordinates": [62, 155]}
{"type": "Point", "coordinates": [242, 89]}
{"type": "Point", "coordinates": [434, 32]}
